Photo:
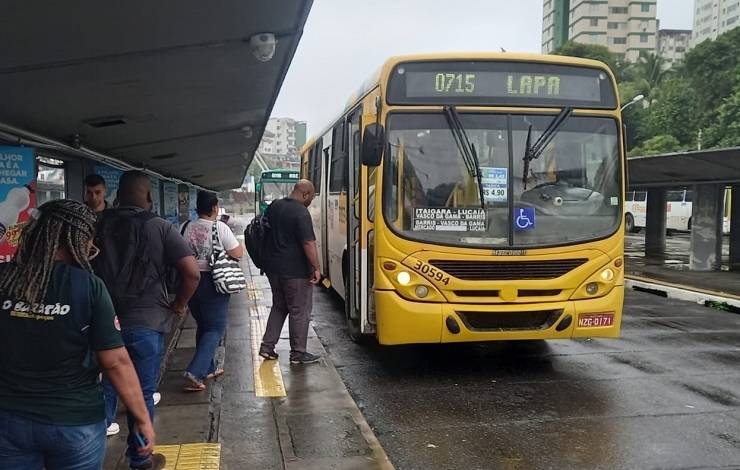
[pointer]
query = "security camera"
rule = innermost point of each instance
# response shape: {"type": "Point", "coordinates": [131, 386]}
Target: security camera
{"type": "Point", "coordinates": [262, 46]}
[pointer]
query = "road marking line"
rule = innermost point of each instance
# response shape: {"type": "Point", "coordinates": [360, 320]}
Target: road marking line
{"type": "Point", "coordinates": [257, 311]}
{"type": "Point", "coordinates": [200, 456]}
{"type": "Point", "coordinates": [268, 378]}
{"type": "Point", "coordinates": [255, 294]}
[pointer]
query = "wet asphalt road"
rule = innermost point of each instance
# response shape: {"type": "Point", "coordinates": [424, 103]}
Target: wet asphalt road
{"type": "Point", "coordinates": [664, 396]}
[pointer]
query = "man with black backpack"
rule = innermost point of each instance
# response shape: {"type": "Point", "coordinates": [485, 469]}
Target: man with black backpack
{"type": "Point", "coordinates": [137, 250]}
{"type": "Point", "coordinates": [293, 266]}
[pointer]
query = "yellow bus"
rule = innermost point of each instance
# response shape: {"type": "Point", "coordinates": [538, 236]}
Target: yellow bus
{"type": "Point", "coordinates": [474, 197]}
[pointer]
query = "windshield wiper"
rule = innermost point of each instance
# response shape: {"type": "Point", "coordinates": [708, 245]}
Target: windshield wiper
{"type": "Point", "coordinates": [532, 152]}
{"type": "Point", "coordinates": [467, 149]}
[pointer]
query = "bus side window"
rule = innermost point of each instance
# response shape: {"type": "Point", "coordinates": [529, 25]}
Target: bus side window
{"type": "Point", "coordinates": [315, 167]}
{"type": "Point", "coordinates": [630, 196]}
{"type": "Point", "coordinates": [339, 166]}
{"type": "Point", "coordinates": [689, 196]}
{"type": "Point", "coordinates": [641, 196]}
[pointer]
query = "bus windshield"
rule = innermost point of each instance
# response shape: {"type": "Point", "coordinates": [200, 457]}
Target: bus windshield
{"type": "Point", "coordinates": [273, 190]}
{"type": "Point", "coordinates": [571, 193]}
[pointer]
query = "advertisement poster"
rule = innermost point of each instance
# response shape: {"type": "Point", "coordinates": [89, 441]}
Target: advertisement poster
{"type": "Point", "coordinates": [169, 190]}
{"type": "Point", "coordinates": [111, 176]}
{"type": "Point", "coordinates": [17, 183]}
{"type": "Point", "coordinates": [183, 202]}
{"type": "Point", "coordinates": [193, 204]}
{"type": "Point", "coordinates": [155, 195]}
{"type": "Point", "coordinates": [495, 184]}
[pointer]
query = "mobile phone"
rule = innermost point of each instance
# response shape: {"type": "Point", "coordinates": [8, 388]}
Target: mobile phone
{"type": "Point", "coordinates": [140, 439]}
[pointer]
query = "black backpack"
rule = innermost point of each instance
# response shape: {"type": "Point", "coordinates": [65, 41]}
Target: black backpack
{"type": "Point", "coordinates": [257, 240]}
{"type": "Point", "coordinates": [124, 263]}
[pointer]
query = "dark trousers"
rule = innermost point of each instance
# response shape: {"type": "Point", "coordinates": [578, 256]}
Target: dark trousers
{"type": "Point", "coordinates": [291, 298]}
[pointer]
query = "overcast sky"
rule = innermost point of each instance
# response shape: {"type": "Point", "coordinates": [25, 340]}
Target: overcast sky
{"type": "Point", "coordinates": [345, 41]}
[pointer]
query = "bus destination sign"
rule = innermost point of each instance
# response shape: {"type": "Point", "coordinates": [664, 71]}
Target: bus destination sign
{"type": "Point", "coordinates": [500, 83]}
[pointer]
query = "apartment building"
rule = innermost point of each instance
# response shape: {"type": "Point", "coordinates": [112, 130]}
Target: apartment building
{"type": "Point", "coordinates": [283, 136]}
{"type": "Point", "coordinates": [714, 17]}
{"type": "Point", "coordinates": [627, 28]}
{"type": "Point", "coordinates": [673, 44]}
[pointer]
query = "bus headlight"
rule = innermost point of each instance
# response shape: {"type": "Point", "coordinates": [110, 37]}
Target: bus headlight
{"type": "Point", "coordinates": [403, 278]}
{"type": "Point", "coordinates": [422, 291]}
{"type": "Point", "coordinates": [607, 275]}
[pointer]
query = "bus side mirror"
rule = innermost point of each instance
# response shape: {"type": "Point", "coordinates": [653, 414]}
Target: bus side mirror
{"type": "Point", "coordinates": [372, 145]}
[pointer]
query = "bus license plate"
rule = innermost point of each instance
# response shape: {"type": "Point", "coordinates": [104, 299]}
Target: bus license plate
{"type": "Point", "coordinates": [595, 319]}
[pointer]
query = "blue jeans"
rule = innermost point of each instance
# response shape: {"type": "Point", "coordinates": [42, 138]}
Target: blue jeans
{"type": "Point", "coordinates": [211, 312]}
{"type": "Point", "coordinates": [31, 445]}
{"type": "Point", "coordinates": [145, 347]}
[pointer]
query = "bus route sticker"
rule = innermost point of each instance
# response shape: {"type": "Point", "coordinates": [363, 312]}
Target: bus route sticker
{"type": "Point", "coordinates": [445, 219]}
{"type": "Point", "coordinates": [495, 182]}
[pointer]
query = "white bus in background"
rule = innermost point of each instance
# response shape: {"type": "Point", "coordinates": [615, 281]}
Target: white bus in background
{"type": "Point", "coordinates": [678, 210]}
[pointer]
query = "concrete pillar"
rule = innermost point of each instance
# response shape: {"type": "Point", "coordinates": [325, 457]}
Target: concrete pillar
{"type": "Point", "coordinates": [706, 227]}
{"type": "Point", "coordinates": [735, 229]}
{"type": "Point", "coordinates": [655, 222]}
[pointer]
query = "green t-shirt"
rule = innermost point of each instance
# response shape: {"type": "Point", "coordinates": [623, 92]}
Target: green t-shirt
{"type": "Point", "coordinates": [48, 369]}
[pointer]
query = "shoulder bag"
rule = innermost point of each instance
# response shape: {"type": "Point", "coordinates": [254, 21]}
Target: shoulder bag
{"type": "Point", "coordinates": [228, 277]}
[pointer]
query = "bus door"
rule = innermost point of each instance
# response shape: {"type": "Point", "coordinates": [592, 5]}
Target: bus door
{"type": "Point", "coordinates": [358, 258]}
{"type": "Point", "coordinates": [323, 204]}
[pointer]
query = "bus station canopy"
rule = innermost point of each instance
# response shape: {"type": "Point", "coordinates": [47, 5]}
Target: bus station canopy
{"type": "Point", "coordinates": [168, 85]}
{"type": "Point", "coordinates": [683, 169]}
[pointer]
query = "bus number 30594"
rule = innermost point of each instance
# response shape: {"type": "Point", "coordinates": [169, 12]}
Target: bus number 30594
{"type": "Point", "coordinates": [431, 272]}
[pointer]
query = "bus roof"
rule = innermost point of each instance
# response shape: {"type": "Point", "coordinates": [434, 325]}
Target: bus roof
{"type": "Point", "coordinates": [382, 74]}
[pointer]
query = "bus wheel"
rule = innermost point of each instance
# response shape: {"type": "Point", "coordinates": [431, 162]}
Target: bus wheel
{"type": "Point", "coordinates": [629, 223]}
{"type": "Point", "coordinates": [688, 225]}
{"type": "Point", "coordinates": [353, 324]}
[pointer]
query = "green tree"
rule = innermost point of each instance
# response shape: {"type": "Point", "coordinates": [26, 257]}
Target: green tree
{"type": "Point", "coordinates": [656, 145]}
{"type": "Point", "coordinates": [647, 74]}
{"type": "Point", "coordinates": [725, 131]}
{"type": "Point", "coordinates": [674, 112]}
{"type": "Point", "coordinates": [593, 51]}
{"type": "Point", "coordinates": [713, 68]}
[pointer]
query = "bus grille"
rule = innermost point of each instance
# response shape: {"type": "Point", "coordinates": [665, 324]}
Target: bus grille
{"type": "Point", "coordinates": [510, 321]}
{"type": "Point", "coordinates": [507, 270]}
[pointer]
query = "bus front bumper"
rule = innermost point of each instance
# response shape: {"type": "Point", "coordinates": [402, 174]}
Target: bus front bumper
{"type": "Point", "coordinates": [400, 321]}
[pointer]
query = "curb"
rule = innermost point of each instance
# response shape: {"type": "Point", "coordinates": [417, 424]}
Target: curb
{"type": "Point", "coordinates": [680, 291]}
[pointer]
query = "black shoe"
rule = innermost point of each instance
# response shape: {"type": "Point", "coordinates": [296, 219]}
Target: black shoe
{"type": "Point", "coordinates": [304, 358]}
{"type": "Point", "coordinates": [268, 354]}
{"type": "Point", "coordinates": [156, 462]}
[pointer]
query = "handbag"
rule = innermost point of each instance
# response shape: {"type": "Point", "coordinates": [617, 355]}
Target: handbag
{"type": "Point", "coordinates": [228, 277]}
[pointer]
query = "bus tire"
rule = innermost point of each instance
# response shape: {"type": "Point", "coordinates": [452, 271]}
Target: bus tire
{"type": "Point", "coordinates": [353, 324]}
{"type": "Point", "coordinates": [688, 225]}
{"type": "Point", "coordinates": [629, 224]}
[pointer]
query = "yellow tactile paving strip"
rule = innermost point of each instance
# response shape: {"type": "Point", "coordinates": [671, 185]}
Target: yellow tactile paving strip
{"type": "Point", "coordinates": [203, 456]}
{"type": "Point", "coordinates": [268, 378]}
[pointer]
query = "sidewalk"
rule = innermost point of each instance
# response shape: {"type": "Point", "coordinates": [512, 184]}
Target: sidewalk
{"type": "Point", "coordinates": [283, 417]}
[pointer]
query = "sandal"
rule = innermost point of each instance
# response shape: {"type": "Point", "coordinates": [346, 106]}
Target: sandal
{"type": "Point", "coordinates": [215, 374]}
{"type": "Point", "coordinates": [192, 384]}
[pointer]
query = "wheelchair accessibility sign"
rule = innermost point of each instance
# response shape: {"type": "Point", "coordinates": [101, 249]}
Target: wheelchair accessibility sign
{"type": "Point", "coordinates": [524, 218]}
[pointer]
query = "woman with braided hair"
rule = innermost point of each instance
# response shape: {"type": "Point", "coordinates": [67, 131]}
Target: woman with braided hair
{"type": "Point", "coordinates": [58, 330]}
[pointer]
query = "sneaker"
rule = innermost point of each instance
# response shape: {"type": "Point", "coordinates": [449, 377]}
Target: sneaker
{"type": "Point", "coordinates": [113, 429]}
{"type": "Point", "coordinates": [269, 355]}
{"type": "Point", "coordinates": [304, 358]}
{"type": "Point", "coordinates": [157, 397]}
{"type": "Point", "coordinates": [156, 462]}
